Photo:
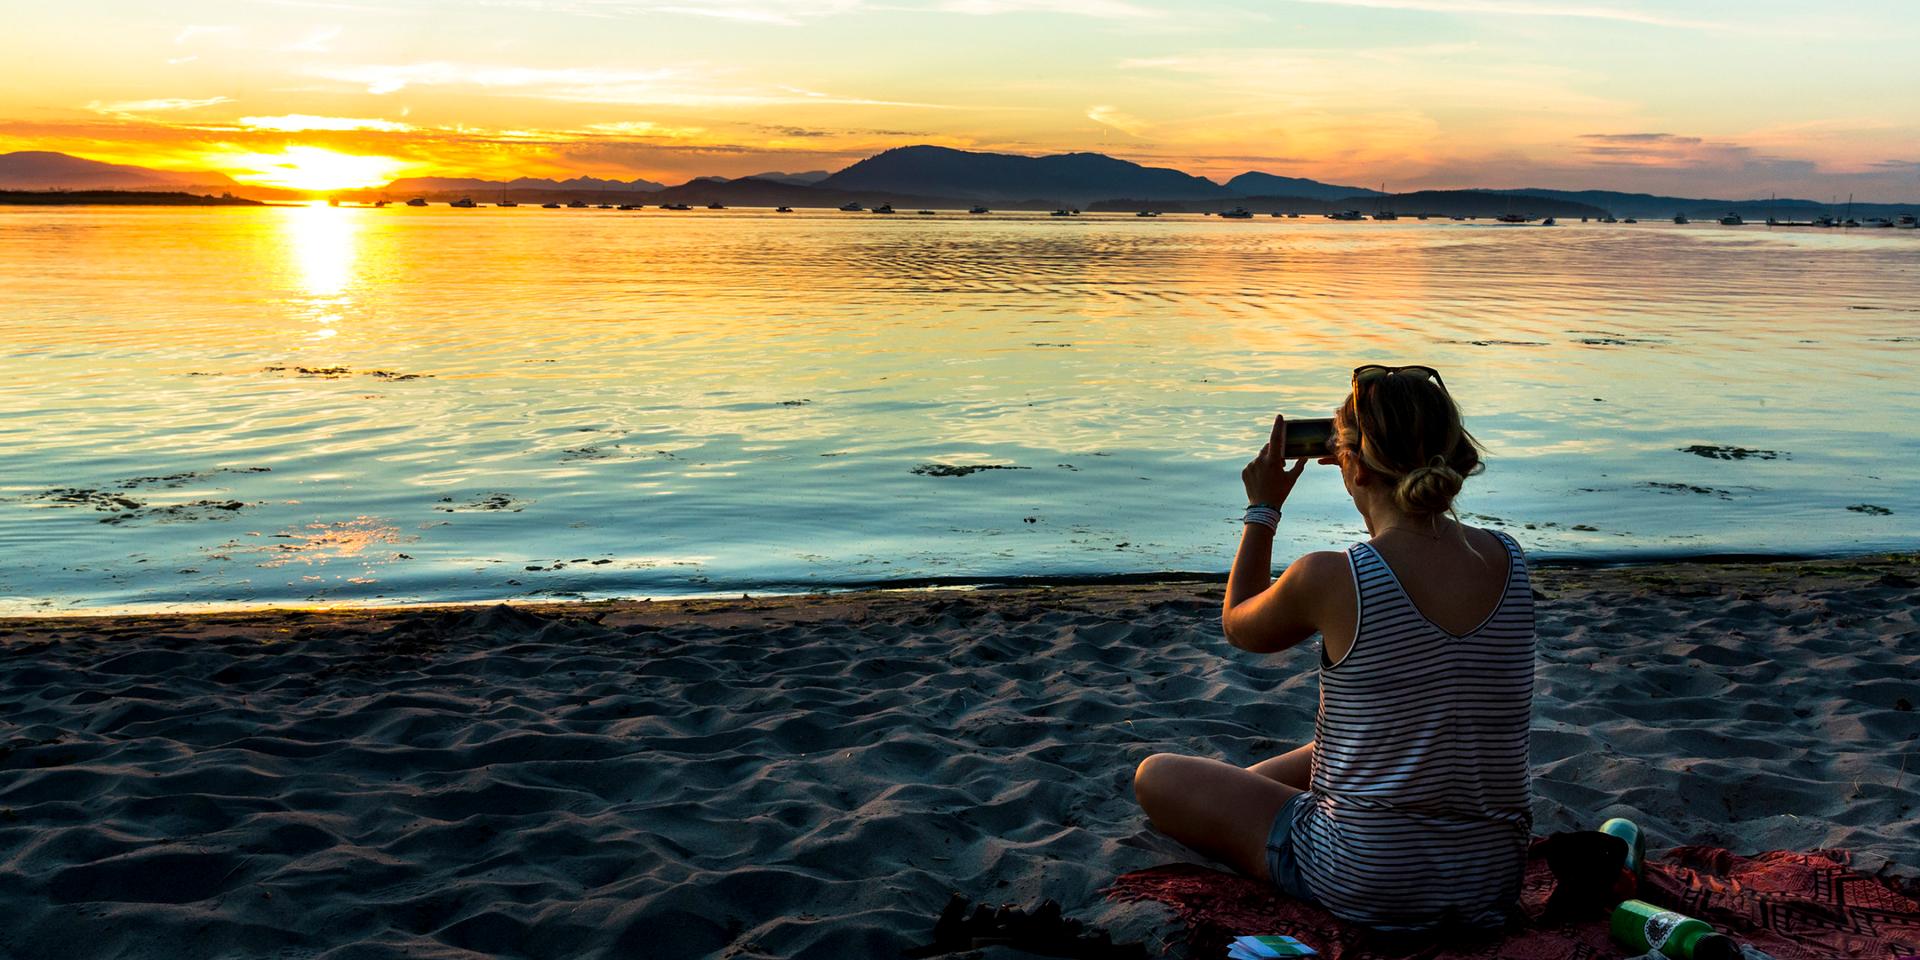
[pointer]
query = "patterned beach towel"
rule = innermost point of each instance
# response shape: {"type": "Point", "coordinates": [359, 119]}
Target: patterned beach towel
{"type": "Point", "coordinates": [1793, 906]}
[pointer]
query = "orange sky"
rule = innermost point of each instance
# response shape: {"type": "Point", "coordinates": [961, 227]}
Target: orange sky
{"type": "Point", "coordinates": [1704, 98]}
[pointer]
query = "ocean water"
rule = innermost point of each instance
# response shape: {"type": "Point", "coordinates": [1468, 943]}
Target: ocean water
{"type": "Point", "coordinates": [309, 404]}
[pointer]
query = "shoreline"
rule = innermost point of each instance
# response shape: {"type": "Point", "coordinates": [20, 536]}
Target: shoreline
{"type": "Point", "coordinates": [811, 776]}
{"type": "Point", "coordinates": [774, 591]}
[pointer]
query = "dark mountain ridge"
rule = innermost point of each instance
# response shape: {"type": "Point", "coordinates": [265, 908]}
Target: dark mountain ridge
{"type": "Point", "coordinates": [44, 170]}
{"type": "Point", "coordinates": [1256, 184]}
{"type": "Point", "coordinates": [1073, 179]}
{"type": "Point", "coordinates": [945, 178]}
{"type": "Point", "coordinates": [1434, 203]}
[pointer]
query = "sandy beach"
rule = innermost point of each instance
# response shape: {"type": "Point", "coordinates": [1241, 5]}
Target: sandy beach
{"type": "Point", "coordinates": [812, 776]}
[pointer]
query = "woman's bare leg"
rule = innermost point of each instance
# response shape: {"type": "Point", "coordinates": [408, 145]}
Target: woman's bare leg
{"type": "Point", "coordinates": [1293, 768]}
{"type": "Point", "coordinates": [1221, 810]}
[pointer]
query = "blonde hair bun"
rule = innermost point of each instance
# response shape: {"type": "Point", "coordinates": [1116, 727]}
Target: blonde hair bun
{"type": "Point", "coordinates": [1428, 489]}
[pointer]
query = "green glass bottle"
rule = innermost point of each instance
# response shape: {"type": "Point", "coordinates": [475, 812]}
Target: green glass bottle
{"type": "Point", "coordinates": [1636, 842]}
{"type": "Point", "coordinates": [1644, 928]}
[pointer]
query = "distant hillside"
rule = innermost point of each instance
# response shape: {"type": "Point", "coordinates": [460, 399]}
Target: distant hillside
{"type": "Point", "coordinates": [1069, 178]}
{"type": "Point", "coordinates": [431, 185]}
{"type": "Point", "coordinates": [1653, 206]}
{"type": "Point", "coordinates": [811, 176]}
{"type": "Point", "coordinates": [755, 192]}
{"type": "Point", "coordinates": [1257, 184]}
{"type": "Point", "coordinates": [117, 198]}
{"type": "Point", "coordinates": [42, 170]}
{"type": "Point", "coordinates": [1438, 203]}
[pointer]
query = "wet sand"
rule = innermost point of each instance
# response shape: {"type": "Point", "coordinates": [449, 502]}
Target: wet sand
{"type": "Point", "coordinates": [811, 776]}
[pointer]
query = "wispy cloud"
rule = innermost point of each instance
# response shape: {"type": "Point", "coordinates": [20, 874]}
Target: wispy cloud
{"type": "Point", "coordinates": [392, 78]}
{"type": "Point", "coordinates": [1527, 8]}
{"type": "Point", "coordinates": [788, 13]}
{"type": "Point", "coordinates": [318, 40]}
{"type": "Point", "coordinates": [155, 105]}
{"type": "Point", "coordinates": [798, 12]}
{"type": "Point", "coordinates": [1125, 123]}
{"type": "Point", "coordinates": [298, 122]}
{"type": "Point", "coordinates": [1096, 9]}
{"type": "Point", "coordinates": [642, 129]}
{"type": "Point", "coordinates": [200, 30]}
{"type": "Point", "coordinates": [655, 87]}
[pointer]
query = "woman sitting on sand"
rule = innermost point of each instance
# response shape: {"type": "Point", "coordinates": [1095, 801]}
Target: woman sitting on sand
{"type": "Point", "coordinates": [1409, 810]}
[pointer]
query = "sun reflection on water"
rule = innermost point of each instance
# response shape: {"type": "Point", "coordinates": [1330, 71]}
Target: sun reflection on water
{"type": "Point", "coordinates": [322, 246]}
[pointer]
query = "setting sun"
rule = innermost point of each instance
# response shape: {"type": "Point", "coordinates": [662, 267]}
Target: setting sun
{"type": "Point", "coordinates": [311, 168]}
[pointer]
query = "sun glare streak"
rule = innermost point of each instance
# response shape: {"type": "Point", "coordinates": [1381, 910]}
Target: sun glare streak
{"type": "Point", "coordinates": [322, 246]}
{"type": "Point", "coordinates": [310, 168]}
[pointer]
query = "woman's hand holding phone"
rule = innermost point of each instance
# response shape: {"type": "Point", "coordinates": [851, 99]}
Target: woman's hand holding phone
{"type": "Point", "coordinates": [1267, 477]}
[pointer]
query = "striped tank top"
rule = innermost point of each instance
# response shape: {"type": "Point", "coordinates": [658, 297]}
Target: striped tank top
{"type": "Point", "coordinates": [1418, 813]}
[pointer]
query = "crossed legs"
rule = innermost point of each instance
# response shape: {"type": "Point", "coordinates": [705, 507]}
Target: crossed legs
{"type": "Point", "coordinates": [1221, 810]}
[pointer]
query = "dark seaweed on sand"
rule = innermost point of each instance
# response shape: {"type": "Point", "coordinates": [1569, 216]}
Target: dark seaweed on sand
{"type": "Point", "coordinates": [1043, 931]}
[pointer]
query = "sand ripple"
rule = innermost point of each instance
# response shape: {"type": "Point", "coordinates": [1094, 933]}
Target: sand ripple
{"type": "Point", "coordinates": [810, 777]}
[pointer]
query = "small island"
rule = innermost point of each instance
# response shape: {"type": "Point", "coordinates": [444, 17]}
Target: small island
{"type": "Point", "coordinates": [125, 198]}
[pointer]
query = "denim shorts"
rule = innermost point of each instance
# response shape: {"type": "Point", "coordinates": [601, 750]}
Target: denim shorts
{"type": "Point", "coordinates": [1282, 862]}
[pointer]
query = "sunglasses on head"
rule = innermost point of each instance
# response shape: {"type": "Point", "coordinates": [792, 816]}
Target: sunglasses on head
{"type": "Point", "coordinates": [1370, 371]}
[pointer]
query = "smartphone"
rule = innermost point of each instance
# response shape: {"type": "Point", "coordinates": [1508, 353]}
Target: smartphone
{"type": "Point", "coordinates": [1311, 438]}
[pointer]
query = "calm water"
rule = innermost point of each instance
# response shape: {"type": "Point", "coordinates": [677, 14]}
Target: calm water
{"type": "Point", "coordinates": [314, 404]}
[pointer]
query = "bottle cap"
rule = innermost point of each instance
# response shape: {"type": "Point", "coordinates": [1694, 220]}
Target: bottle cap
{"type": "Point", "coordinates": [1715, 946]}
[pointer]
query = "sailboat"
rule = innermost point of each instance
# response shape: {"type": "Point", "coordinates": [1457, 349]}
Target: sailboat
{"type": "Point", "coordinates": [1378, 213]}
